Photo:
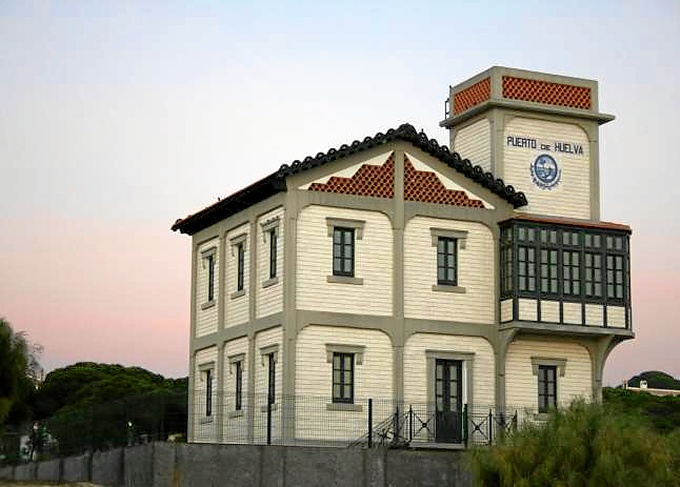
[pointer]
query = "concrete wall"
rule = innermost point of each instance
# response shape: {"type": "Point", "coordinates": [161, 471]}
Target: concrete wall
{"type": "Point", "coordinates": [165, 464]}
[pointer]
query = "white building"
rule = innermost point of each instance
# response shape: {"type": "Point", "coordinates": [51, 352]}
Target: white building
{"type": "Point", "coordinates": [392, 268]}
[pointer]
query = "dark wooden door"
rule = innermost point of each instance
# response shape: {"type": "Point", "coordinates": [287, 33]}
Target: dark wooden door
{"type": "Point", "coordinates": [448, 389]}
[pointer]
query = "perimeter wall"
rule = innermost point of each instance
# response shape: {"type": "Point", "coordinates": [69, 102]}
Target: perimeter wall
{"type": "Point", "coordinates": [179, 465]}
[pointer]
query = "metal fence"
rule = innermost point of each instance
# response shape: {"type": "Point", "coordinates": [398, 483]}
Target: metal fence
{"type": "Point", "coordinates": [259, 419]}
{"type": "Point", "coordinates": [132, 420]}
{"type": "Point", "coordinates": [364, 423]}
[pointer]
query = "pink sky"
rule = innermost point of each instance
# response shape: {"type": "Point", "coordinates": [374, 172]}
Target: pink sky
{"type": "Point", "coordinates": [89, 291]}
{"type": "Point", "coordinates": [119, 117]}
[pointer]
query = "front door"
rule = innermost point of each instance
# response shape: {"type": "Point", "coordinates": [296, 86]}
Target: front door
{"type": "Point", "coordinates": [448, 389]}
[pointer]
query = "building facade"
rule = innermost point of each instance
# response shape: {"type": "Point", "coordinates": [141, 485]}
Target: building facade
{"type": "Point", "coordinates": [396, 269]}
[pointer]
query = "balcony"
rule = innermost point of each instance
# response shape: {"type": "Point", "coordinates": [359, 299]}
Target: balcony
{"type": "Point", "coordinates": [565, 276]}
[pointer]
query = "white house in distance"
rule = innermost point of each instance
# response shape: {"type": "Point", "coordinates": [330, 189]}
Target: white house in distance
{"type": "Point", "coordinates": [396, 269]}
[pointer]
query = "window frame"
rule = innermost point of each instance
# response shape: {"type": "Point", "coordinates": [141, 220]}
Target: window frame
{"type": "Point", "coordinates": [236, 368]}
{"type": "Point", "coordinates": [269, 356]}
{"type": "Point", "coordinates": [343, 256]}
{"type": "Point", "coordinates": [357, 226]}
{"type": "Point", "coordinates": [239, 248]}
{"type": "Point", "coordinates": [345, 381]}
{"type": "Point", "coordinates": [273, 242]}
{"type": "Point", "coordinates": [207, 372]}
{"type": "Point", "coordinates": [240, 266]}
{"type": "Point", "coordinates": [558, 367]}
{"type": "Point", "coordinates": [460, 237]}
{"type": "Point", "coordinates": [357, 354]}
{"type": "Point", "coordinates": [447, 261]}
{"type": "Point", "coordinates": [270, 237]}
{"type": "Point", "coordinates": [208, 259]}
{"type": "Point", "coordinates": [547, 376]}
{"type": "Point", "coordinates": [555, 246]}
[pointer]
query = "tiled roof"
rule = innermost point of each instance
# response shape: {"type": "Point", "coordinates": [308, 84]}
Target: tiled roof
{"type": "Point", "coordinates": [276, 182]}
{"type": "Point", "coordinates": [574, 222]}
{"type": "Point", "coordinates": [426, 187]}
{"type": "Point", "coordinates": [369, 180]}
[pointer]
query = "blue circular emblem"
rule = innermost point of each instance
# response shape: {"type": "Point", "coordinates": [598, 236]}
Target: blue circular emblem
{"type": "Point", "coordinates": [545, 172]}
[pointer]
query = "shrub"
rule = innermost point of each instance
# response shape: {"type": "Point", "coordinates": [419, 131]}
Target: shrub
{"type": "Point", "coordinates": [584, 445]}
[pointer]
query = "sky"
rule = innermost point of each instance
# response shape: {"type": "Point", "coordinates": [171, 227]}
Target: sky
{"type": "Point", "coordinates": [117, 118]}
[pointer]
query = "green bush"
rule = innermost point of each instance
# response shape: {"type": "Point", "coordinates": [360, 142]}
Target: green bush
{"type": "Point", "coordinates": [585, 445]}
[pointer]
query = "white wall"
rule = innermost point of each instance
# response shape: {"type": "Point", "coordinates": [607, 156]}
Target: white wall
{"type": "Point", "coordinates": [206, 319]}
{"type": "Point", "coordinates": [415, 366]}
{"type": "Point", "coordinates": [475, 273]}
{"type": "Point", "coordinates": [571, 197]}
{"type": "Point", "coordinates": [521, 385]}
{"type": "Point", "coordinates": [313, 382]}
{"type": "Point", "coordinates": [272, 336]}
{"type": "Point", "coordinates": [373, 264]}
{"type": "Point", "coordinates": [235, 422]}
{"type": "Point", "coordinates": [236, 309]}
{"type": "Point", "coordinates": [205, 428]}
{"type": "Point", "coordinates": [269, 299]}
{"type": "Point", "coordinates": [474, 142]}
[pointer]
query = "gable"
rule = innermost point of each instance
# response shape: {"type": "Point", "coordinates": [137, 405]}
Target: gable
{"type": "Point", "coordinates": [424, 184]}
{"type": "Point", "coordinates": [277, 181]}
{"type": "Point", "coordinates": [373, 177]}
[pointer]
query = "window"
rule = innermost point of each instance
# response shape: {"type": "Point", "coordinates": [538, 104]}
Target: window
{"type": "Point", "coordinates": [547, 370]}
{"type": "Point", "coordinates": [588, 265]}
{"type": "Point", "coordinates": [236, 275]}
{"type": "Point", "coordinates": [593, 277]}
{"type": "Point", "coordinates": [447, 261]}
{"type": "Point", "coordinates": [238, 400]}
{"type": "Point", "coordinates": [547, 388]}
{"type": "Point", "coordinates": [208, 391]}
{"type": "Point", "coordinates": [269, 356]}
{"type": "Point", "coordinates": [571, 272]}
{"type": "Point", "coordinates": [343, 360]}
{"type": "Point", "coordinates": [343, 251]}
{"type": "Point", "coordinates": [343, 377]}
{"type": "Point", "coordinates": [344, 234]}
{"type": "Point", "coordinates": [526, 258]}
{"type": "Point", "coordinates": [240, 266]}
{"type": "Point", "coordinates": [548, 271]}
{"type": "Point", "coordinates": [448, 243]}
{"type": "Point", "coordinates": [208, 257]}
{"type": "Point", "coordinates": [271, 378]}
{"type": "Point", "coordinates": [272, 253]}
{"type": "Point", "coordinates": [615, 277]}
{"type": "Point", "coordinates": [270, 237]}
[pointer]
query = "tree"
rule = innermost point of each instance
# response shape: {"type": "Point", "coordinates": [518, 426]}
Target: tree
{"type": "Point", "coordinates": [586, 445]}
{"type": "Point", "coordinates": [89, 406]}
{"type": "Point", "coordinates": [19, 368]}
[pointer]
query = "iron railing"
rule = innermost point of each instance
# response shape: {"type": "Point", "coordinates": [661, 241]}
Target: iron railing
{"type": "Point", "coordinates": [366, 423]}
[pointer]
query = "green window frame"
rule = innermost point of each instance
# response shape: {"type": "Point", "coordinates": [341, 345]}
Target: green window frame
{"type": "Point", "coordinates": [547, 388]}
{"type": "Point", "coordinates": [273, 242]}
{"type": "Point", "coordinates": [447, 261]}
{"type": "Point", "coordinates": [343, 377]}
{"type": "Point", "coordinates": [238, 392]}
{"type": "Point", "coordinates": [240, 266]}
{"type": "Point", "coordinates": [343, 251]}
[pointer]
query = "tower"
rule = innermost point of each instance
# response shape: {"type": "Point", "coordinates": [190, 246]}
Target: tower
{"type": "Point", "coordinates": [536, 131]}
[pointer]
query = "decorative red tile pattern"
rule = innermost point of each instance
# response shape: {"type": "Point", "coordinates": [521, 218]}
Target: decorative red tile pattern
{"type": "Point", "coordinates": [369, 180]}
{"type": "Point", "coordinates": [471, 96]}
{"type": "Point", "coordinates": [426, 187]}
{"type": "Point", "coordinates": [547, 93]}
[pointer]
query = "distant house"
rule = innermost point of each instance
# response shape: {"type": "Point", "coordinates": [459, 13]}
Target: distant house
{"type": "Point", "coordinates": [396, 269]}
{"type": "Point", "coordinates": [651, 390]}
